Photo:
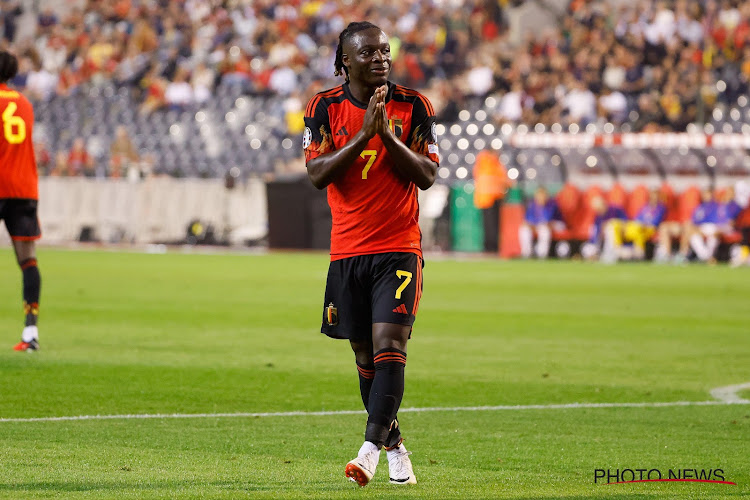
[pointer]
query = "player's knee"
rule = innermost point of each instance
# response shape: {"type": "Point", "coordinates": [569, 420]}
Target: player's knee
{"type": "Point", "coordinates": [362, 352]}
{"type": "Point", "coordinates": [390, 336]}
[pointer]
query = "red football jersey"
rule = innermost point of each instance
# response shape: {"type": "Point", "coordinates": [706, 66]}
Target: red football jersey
{"type": "Point", "coordinates": [18, 176]}
{"type": "Point", "coordinates": [374, 209]}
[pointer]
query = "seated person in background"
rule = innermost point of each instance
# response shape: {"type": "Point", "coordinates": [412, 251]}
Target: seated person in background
{"type": "Point", "coordinates": [606, 231]}
{"type": "Point", "coordinates": [643, 228]}
{"type": "Point", "coordinates": [541, 216]}
{"type": "Point", "coordinates": [703, 233]}
{"type": "Point", "coordinates": [727, 210]}
{"type": "Point", "coordinates": [741, 256]}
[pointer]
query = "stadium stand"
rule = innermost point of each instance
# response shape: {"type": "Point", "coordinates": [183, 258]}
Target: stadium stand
{"type": "Point", "coordinates": [201, 89]}
{"type": "Point", "coordinates": [239, 72]}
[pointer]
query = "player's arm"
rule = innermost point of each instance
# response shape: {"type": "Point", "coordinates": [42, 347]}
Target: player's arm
{"type": "Point", "coordinates": [324, 168]}
{"type": "Point", "coordinates": [415, 160]}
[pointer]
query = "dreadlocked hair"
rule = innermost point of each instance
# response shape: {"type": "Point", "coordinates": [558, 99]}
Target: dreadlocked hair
{"type": "Point", "coordinates": [8, 66]}
{"type": "Point", "coordinates": [345, 35]}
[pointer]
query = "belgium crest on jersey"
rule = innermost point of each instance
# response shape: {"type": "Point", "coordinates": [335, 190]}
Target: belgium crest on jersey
{"type": "Point", "coordinates": [397, 126]}
{"type": "Point", "coordinates": [332, 315]}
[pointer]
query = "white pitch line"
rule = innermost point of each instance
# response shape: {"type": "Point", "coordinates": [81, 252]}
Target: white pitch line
{"type": "Point", "coordinates": [564, 406]}
{"type": "Point", "coordinates": [728, 394]}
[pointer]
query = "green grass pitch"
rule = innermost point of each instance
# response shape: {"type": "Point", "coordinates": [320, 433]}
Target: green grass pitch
{"type": "Point", "coordinates": [130, 333]}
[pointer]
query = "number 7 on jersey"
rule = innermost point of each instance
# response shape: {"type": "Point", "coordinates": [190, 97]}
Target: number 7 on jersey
{"type": "Point", "coordinates": [402, 274]}
{"type": "Point", "coordinates": [369, 155]}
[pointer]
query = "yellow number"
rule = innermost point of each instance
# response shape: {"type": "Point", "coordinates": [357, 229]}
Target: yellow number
{"type": "Point", "coordinates": [403, 274]}
{"type": "Point", "coordinates": [9, 121]}
{"type": "Point", "coordinates": [370, 154]}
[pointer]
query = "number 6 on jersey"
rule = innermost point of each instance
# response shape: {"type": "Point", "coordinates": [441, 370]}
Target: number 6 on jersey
{"type": "Point", "coordinates": [14, 128]}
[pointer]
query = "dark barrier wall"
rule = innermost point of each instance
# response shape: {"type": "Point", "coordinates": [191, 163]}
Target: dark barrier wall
{"type": "Point", "coordinates": [298, 215]}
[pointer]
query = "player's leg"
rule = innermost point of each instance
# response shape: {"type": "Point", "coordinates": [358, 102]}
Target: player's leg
{"type": "Point", "coordinates": [23, 226]}
{"type": "Point", "coordinates": [32, 284]}
{"type": "Point", "coordinates": [396, 296]}
{"type": "Point", "coordinates": [389, 342]}
{"type": "Point", "coordinates": [346, 315]}
{"type": "Point", "coordinates": [365, 367]}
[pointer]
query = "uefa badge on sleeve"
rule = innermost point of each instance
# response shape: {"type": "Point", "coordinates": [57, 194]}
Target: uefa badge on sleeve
{"type": "Point", "coordinates": [307, 138]}
{"type": "Point", "coordinates": [332, 315]}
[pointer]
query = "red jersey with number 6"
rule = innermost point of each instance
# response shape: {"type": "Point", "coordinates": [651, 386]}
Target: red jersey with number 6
{"type": "Point", "coordinates": [374, 209]}
{"type": "Point", "coordinates": [18, 176]}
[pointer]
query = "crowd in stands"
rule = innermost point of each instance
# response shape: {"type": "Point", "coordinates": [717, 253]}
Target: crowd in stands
{"type": "Point", "coordinates": [650, 64]}
{"type": "Point", "coordinates": [657, 223]}
{"type": "Point", "coordinates": [642, 65]}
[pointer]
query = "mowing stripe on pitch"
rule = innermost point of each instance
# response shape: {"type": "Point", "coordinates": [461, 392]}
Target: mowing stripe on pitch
{"type": "Point", "coordinates": [564, 406]}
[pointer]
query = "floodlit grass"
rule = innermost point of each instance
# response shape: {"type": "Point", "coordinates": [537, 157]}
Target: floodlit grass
{"type": "Point", "coordinates": [129, 333]}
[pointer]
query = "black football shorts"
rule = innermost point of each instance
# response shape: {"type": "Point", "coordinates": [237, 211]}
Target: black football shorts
{"type": "Point", "coordinates": [367, 289]}
{"type": "Point", "coordinates": [20, 218]}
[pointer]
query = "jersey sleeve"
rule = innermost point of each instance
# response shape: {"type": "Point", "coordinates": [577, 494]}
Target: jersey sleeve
{"type": "Point", "coordinates": [423, 136]}
{"type": "Point", "coordinates": [317, 139]}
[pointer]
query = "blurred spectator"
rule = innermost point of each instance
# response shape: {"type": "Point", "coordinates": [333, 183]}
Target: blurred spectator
{"type": "Point", "coordinates": [132, 67]}
{"type": "Point", "coordinates": [43, 157]}
{"type": "Point", "coordinates": [9, 11]}
{"type": "Point", "coordinates": [490, 185]}
{"type": "Point", "coordinates": [613, 106]}
{"type": "Point", "coordinates": [511, 107]}
{"type": "Point", "coordinates": [80, 162]}
{"type": "Point", "coordinates": [154, 91]}
{"type": "Point", "coordinates": [283, 80]}
{"type": "Point", "coordinates": [46, 20]}
{"type": "Point", "coordinates": [202, 81]}
{"type": "Point", "coordinates": [580, 103]}
{"type": "Point", "coordinates": [178, 94]}
{"type": "Point", "coordinates": [294, 114]}
{"type": "Point", "coordinates": [122, 154]}
{"type": "Point", "coordinates": [41, 84]}
{"type": "Point", "coordinates": [61, 168]}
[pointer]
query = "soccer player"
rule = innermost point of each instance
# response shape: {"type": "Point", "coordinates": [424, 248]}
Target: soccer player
{"type": "Point", "coordinates": [541, 215]}
{"type": "Point", "coordinates": [372, 143]}
{"type": "Point", "coordinates": [19, 193]}
{"type": "Point", "coordinates": [644, 227]}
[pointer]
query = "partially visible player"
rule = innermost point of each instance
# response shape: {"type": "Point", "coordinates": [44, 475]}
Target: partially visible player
{"type": "Point", "coordinates": [644, 226]}
{"type": "Point", "coordinates": [372, 144]}
{"type": "Point", "coordinates": [541, 215]}
{"type": "Point", "coordinates": [19, 193]}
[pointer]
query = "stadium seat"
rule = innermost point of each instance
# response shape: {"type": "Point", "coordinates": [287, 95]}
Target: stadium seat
{"type": "Point", "coordinates": [617, 195]}
{"type": "Point", "coordinates": [636, 201]}
{"type": "Point", "coordinates": [687, 202]}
